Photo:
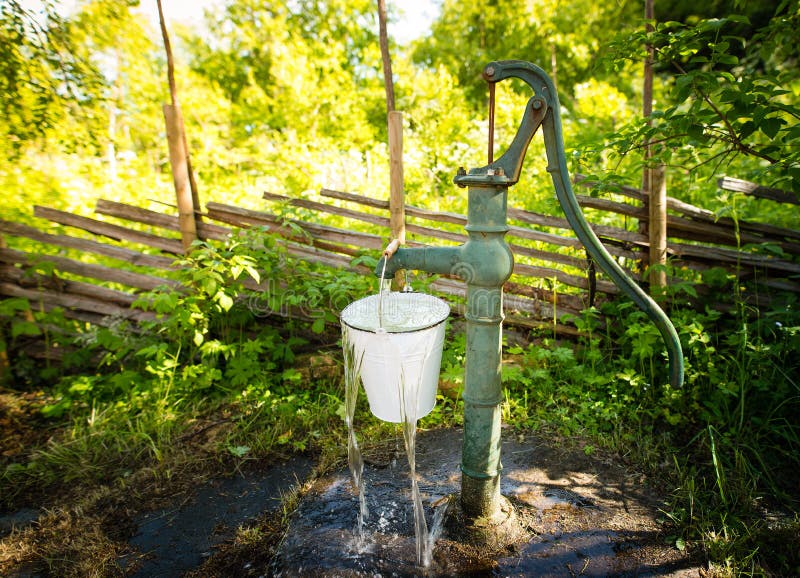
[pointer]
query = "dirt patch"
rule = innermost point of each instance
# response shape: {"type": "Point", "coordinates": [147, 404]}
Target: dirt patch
{"type": "Point", "coordinates": [21, 425]}
{"type": "Point", "coordinates": [583, 516]}
{"type": "Point", "coordinates": [153, 526]}
{"type": "Point", "coordinates": [176, 539]}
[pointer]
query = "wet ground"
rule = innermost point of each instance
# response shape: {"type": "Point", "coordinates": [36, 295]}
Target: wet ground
{"type": "Point", "coordinates": [174, 540]}
{"type": "Point", "coordinates": [582, 517]}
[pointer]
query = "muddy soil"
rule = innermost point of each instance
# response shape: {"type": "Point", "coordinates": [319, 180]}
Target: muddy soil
{"type": "Point", "coordinates": [581, 515]}
{"type": "Point", "coordinates": [174, 540]}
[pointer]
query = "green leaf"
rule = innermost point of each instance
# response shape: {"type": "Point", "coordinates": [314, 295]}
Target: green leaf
{"type": "Point", "coordinates": [253, 272]}
{"type": "Point", "coordinates": [239, 451]}
{"type": "Point", "coordinates": [696, 131]}
{"type": "Point", "coordinates": [11, 306]}
{"type": "Point", "coordinates": [747, 129]}
{"type": "Point", "coordinates": [683, 87]}
{"type": "Point", "coordinates": [771, 126]}
{"type": "Point", "coordinates": [318, 326]}
{"type": "Point", "coordinates": [24, 328]}
{"type": "Point", "coordinates": [225, 301]}
{"type": "Point", "coordinates": [56, 410]}
{"type": "Point", "coordinates": [728, 59]}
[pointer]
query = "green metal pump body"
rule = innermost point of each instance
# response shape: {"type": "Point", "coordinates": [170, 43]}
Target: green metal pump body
{"type": "Point", "coordinates": [485, 262]}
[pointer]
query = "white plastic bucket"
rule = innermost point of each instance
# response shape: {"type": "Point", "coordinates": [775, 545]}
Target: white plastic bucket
{"type": "Point", "coordinates": [400, 351]}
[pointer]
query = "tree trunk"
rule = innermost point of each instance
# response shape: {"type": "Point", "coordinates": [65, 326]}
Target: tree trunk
{"type": "Point", "coordinates": [388, 82]}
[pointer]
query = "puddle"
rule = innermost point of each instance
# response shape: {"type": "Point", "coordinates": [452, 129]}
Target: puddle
{"type": "Point", "coordinates": [174, 540]}
{"type": "Point", "coordinates": [592, 553]}
{"type": "Point", "coordinates": [320, 537]}
{"type": "Point", "coordinates": [17, 520]}
{"type": "Point", "coordinates": [581, 522]}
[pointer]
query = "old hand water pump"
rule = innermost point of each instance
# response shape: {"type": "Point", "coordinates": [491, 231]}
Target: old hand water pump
{"type": "Point", "coordinates": [485, 262]}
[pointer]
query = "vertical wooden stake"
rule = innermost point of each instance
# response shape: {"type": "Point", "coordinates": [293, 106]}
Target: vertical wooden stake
{"type": "Point", "coordinates": [5, 365]}
{"type": "Point", "coordinates": [383, 37]}
{"type": "Point", "coordinates": [396, 202]}
{"type": "Point", "coordinates": [180, 175]}
{"type": "Point", "coordinates": [657, 231]}
{"type": "Point", "coordinates": [397, 211]}
{"type": "Point", "coordinates": [654, 183]}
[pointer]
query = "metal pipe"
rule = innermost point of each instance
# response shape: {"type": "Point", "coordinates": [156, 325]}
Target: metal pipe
{"type": "Point", "coordinates": [485, 262]}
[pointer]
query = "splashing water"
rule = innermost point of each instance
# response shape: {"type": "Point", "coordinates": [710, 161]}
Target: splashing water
{"type": "Point", "coordinates": [374, 318]}
{"type": "Point", "coordinates": [437, 525]}
{"type": "Point", "coordinates": [352, 370]}
{"type": "Point", "coordinates": [425, 541]}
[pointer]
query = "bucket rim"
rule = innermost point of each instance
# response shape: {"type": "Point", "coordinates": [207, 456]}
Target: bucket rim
{"type": "Point", "coordinates": [395, 332]}
{"type": "Point", "coordinates": [399, 295]}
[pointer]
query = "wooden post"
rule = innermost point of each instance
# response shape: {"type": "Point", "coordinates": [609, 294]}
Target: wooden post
{"type": "Point", "coordinates": [397, 209]}
{"type": "Point", "coordinates": [397, 215]}
{"type": "Point", "coordinates": [654, 184]}
{"type": "Point", "coordinates": [5, 365]}
{"type": "Point", "coordinates": [383, 38]}
{"type": "Point", "coordinates": [657, 230]}
{"type": "Point", "coordinates": [180, 175]}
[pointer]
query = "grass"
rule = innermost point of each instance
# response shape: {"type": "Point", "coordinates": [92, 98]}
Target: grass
{"type": "Point", "coordinates": [212, 386]}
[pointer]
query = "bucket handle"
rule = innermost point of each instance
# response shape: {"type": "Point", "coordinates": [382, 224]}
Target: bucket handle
{"type": "Point", "coordinates": [390, 250]}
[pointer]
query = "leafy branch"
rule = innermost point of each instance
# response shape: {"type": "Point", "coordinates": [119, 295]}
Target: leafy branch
{"type": "Point", "coordinates": [725, 96]}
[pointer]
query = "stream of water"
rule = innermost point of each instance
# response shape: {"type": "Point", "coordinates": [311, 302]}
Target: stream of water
{"type": "Point", "coordinates": [425, 539]}
{"type": "Point", "coordinates": [410, 442]}
{"type": "Point", "coordinates": [352, 370]}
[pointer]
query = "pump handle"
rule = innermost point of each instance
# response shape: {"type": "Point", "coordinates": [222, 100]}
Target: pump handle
{"type": "Point", "coordinates": [544, 109]}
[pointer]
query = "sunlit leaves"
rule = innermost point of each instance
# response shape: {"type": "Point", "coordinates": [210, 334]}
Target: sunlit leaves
{"type": "Point", "coordinates": [727, 105]}
{"type": "Point", "coordinates": [563, 38]}
{"type": "Point", "coordinates": [41, 77]}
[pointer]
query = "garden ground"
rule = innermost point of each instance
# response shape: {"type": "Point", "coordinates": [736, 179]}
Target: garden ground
{"type": "Point", "coordinates": [209, 516]}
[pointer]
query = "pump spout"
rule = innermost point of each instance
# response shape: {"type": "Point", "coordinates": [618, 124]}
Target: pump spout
{"type": "Point", "coordinates": [437, 260]}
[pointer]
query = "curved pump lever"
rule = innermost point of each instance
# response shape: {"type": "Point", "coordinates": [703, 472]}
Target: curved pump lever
{"type": "Point", "coordinates": [544, 109]}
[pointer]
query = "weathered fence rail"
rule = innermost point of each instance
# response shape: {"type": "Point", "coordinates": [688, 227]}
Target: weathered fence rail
{"type": "Point", "coordinates": [552, 278]}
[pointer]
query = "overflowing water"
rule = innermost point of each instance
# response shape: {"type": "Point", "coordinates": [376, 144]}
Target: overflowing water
{"type": "Point", "coordinates": [437, 525]}
{"type": "Point", "coordinates": [380, 315]}
{"type": "Point", "coordinates": [352, 370]}
{"type": "Point", "coordinates": [424, 549]}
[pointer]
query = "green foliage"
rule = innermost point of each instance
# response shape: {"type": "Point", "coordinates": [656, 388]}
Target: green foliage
{"type": "Point", "coordinates": [215, 342]}
{"type": "Point", "coordinates": [567, 36]}
{"type": "Point", "coordinates": [330, 92]}
{"type": "Point", "coordinates": [728, 98]}
{"type": "Point", "coordinates": [41, 76]}
{"type": "Point", "coordinates": [732, 427]}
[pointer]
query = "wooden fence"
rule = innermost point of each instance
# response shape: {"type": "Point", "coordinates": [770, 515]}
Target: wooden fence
{"type": "Point", "coordinates": [552, 277]}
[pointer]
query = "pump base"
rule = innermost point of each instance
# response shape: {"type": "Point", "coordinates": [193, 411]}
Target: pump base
{"type": "Point", "coordinates": [493, 534]}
